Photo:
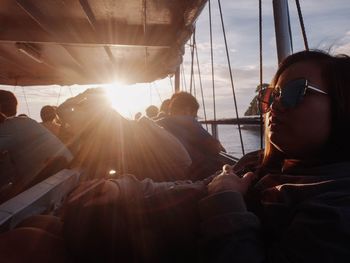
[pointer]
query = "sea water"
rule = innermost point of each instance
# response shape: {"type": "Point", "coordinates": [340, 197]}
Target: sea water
{"type": "Point", "coordinates": [230, 139]}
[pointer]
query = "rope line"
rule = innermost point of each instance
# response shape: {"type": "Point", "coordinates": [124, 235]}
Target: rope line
{"type": "Point", "coordinates": [290, 30]}
{"type": "Point", "coordinates": [183, 77]}
{"type": "Point", "coordinates": [71, 92]}
{"type": "Point", "coordinates": [156, 87]}
{"type": "Point", "coordinates": [212, 59]}
{"type": "Point", "coordinates": [201, 88]}
{"type": "Point", "coordinates": [302, 25]}
{"type": "Point", "coordinates": [192, 58]}
{"type": "Point", "coordinates": [25, 99]}
{"type": "Point", "coordinates": [59, 95]}
{"type": "Point", "coordinates": [150, 92]}
{"type": "Point", "coordinates": [194, 86]}
{"type": "Point", "coordinates": [261, 71]}
{"type": "Point", "coordinates": [171, 84]}
{"type": "Point", "coordinates": [232, 85]}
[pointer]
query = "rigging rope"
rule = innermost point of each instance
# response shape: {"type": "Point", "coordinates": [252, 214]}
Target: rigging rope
{"type": "Point", "coordinates": [59, 95]}
{"type": "Point", "coordinates": [156, 87]}
{"type": "Point", "coordinates": [171, 84]}
{"type": "Point", "coordinates": [201, 87]}
{"type": "Point", "coordinates": [25, 99]}
{"type": "Point", "coordinates": [301, 20]}
{"type": "Point", "coordinates": [192, 57]}
{"type": "Point", "coordinates": [150, 93]}
{"type": "Point", "coordinates": [24, 94]}
{"type": "Point", "coordinates": [183, 77]}
{"type": "Point", "coordinates": [290, 30]}
{"type": "Point", "coordinates": [261, 72]}
{"type": "Point", "coordinates": [212, 58]}
{"type": "Point", "coordinates": [71, 92]}
{"type": "Point", "coordinates": [194, 87]}
{"type": "Point", "coordinates": [230, 71]}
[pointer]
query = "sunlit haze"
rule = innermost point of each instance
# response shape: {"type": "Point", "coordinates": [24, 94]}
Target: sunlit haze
{"type": "Point", "coordinates": [128, 100]}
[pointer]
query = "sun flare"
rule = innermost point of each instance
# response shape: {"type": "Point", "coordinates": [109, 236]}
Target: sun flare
{"type": "Point", "coordinates": [128, 100]}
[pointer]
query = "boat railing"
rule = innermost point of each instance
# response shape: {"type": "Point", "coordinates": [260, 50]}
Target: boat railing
{"type": "Point", "coordinates": [38, 199]}
{"type": "Point", "coordinates": [229, 159]}
{"type": "Point", "coordinates": [249, 120]}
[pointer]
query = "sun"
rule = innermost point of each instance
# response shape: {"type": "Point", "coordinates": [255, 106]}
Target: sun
{"type": "Point", "coordinates": [128, 100]}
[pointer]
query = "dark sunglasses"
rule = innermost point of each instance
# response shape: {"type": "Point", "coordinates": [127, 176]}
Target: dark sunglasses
{"type": "Point", "coordinates": [290, 95]}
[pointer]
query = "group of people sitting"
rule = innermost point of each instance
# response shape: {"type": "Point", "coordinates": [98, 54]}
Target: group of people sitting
{"type": "Point", "coordinates": [287, 203]}
{"type": "Point", "coordinates": [171, 146]}
{"type": "Point", "coordinates": [154, 113]}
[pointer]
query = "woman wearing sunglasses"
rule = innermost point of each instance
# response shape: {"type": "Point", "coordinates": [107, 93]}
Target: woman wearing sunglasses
{"type": "Point", "coordinates": [295, 207]}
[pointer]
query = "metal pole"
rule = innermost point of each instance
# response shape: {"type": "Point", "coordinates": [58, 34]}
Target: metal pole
{"type": "Point", "coordinates": [214, 131]}
{"type": "Point", "coordinates": [282, 29]}
{"type": "Point", "coordinates": [177, 80]}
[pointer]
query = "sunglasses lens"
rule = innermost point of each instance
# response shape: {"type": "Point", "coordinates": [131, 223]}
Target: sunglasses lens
{"type": "Point", "coordinates": [292, 93]}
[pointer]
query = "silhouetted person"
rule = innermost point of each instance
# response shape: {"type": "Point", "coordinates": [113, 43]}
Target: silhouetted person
{"type": "Point", "coordinates": [163, 110]}
{"type": "Point", "coordinates": [152, 111]}
{"type": "Point", "coordinates": [137, 116]}
{"type": "Point", "coordinates": [8, 102]}
{"type": "Point", "coordinates": [29, 153]}
{"type": "Point", "coordinates": [49, 116]}
{"type": "Point", "coordinates": [182, 123]}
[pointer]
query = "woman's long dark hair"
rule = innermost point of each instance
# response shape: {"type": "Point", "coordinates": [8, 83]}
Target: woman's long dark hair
{"type": "Point", "coordinates": [335, 72]}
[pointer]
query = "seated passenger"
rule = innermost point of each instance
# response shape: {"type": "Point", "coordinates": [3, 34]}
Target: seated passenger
{"type": "Point", "coordinates": [152, 111]}
{"type": "Point", "coordinates": [296, 206]}
{"type": "Point", "coordinates": [182, 123]}
{"type": "Point", "coordinates": [163, 110]}
{"type": "Point", "coordinates": [49, 117]}
{"type": "Point", "coordinates": [28, 152]}
{"type": "Point", "coordinates": [8, 103]}
{"type": "Point", "coordinates": [137, 116]}
{"type": "Point", "coordinates": [109, 142]}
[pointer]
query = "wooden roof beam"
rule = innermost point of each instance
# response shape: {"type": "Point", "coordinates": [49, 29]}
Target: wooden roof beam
{"type": "Point", "coordinates": [81, 69]}
{"type": "Point", "coordinates": [35, 14]}
{"type": "Point", "coordinates": [122, 34]}
{"type": "Point", "coordinates": [47, 26]}
{"type": "Point", "coordinates": [11, 35]}
{"type": "Point", "coordinates": [92, 21]}
{"type": "Point", "coordinates": [89, 13]}
{"type": "Point", "coordinates": [13, 62]}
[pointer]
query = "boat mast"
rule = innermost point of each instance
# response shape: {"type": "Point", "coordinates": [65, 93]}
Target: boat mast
{"type": "Point", "coordinates": [282, 29]}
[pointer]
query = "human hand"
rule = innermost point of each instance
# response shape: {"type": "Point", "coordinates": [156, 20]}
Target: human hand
{"type": "Point", "coordinates": [229, 181]}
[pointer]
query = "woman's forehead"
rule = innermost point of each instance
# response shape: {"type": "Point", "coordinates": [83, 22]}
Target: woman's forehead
{"type": "Point", "coordinates": [305, 69]}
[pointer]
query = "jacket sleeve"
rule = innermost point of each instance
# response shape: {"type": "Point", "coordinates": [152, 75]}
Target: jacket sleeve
{"type": "Point", "coordinates": [229, 232]}
{"type": "Point", "coordinates": [318, 231]}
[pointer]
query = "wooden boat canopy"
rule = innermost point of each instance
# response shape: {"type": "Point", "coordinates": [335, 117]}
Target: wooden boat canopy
{"type": "Point", "coordinates": [69, 42]}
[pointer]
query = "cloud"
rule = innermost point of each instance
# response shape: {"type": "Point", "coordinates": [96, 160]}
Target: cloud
{"type": "Point", "coordinates": [343, 45]}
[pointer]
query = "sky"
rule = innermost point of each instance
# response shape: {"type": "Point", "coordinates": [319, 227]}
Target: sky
{"type": "Point", "coordinates": [327, 24]}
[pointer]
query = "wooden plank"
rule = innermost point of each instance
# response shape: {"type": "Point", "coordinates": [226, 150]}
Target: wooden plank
{"type": "Point", "coordinates": [37, 199]}
{"type": "Point", "coordinates": [121, 34]}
